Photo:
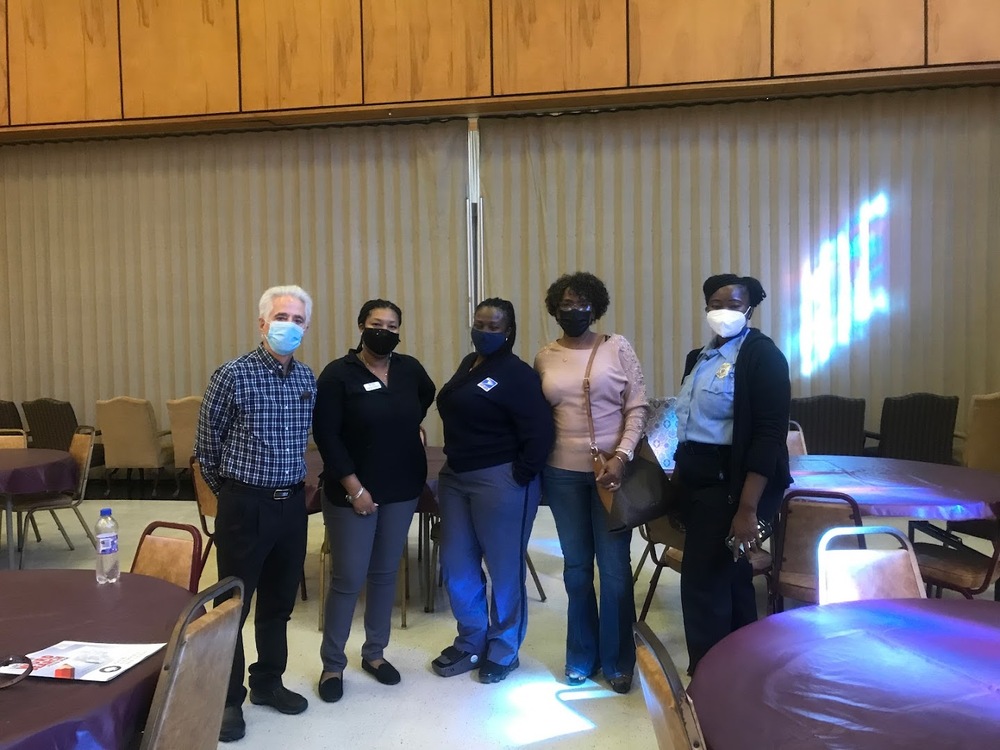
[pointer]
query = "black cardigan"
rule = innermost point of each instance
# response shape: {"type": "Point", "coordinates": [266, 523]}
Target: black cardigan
{"type": "Point", "coordinates": [495, 414]}
{"type": "Point", "coordinates": [362, 427]}
{"type": "Point", "coordinates": [761, 397]}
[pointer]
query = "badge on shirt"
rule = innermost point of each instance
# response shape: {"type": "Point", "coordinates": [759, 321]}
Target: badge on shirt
{"type": "Point", "coordinates": [723, 370]}
{"type": "Point", "coordinates": [488, 385]}
{"type": "Point", "coordinates": [373, 386]}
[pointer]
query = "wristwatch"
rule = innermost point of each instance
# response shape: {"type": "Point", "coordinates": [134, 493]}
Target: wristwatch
{"type": "Point", "coordinates": [629, 455]}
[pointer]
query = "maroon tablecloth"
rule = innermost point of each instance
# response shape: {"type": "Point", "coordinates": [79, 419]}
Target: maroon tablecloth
{"type": "Point", "coordinates": [43, 607]}
{"type": "Point", "coordinates": [907, 489]}
{"type": "Point", "coordinates": [29, 470]}
{"type": "Point", "coordinates": [901, 673]}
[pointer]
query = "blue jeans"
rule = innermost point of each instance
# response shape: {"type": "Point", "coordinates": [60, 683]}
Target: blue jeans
{"type": "Point", "coordinates": [593, 638]}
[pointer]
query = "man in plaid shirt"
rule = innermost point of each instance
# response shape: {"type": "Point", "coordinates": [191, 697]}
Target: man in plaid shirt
{"type": "Point", "coordinates": [252, 434]}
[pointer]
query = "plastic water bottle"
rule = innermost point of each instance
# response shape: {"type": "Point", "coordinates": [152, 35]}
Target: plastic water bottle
{"type": "Point", "coordinates": [106, 532]}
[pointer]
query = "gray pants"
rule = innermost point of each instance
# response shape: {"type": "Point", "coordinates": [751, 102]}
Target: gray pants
{"type": "Point", "coordinates": [487, 517]}
{"type": "Point", "coordinates": [362, 548]}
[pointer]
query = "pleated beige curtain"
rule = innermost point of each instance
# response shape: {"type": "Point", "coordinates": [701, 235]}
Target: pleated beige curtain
{"type": "Point", "coordinates": [871, 220]}
{"type": "Point", "coordinates": [134, 267]}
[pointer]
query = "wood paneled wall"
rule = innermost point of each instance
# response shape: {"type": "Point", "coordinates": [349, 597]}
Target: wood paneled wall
{"type": "Point", "coordinates": [300, 53]}
{"type": "Point", "coordinates": [179, 57]}
{"type": "Point", "coordinates": [150, 66]}
{"type": "Point", "coordinates": [65, 57]}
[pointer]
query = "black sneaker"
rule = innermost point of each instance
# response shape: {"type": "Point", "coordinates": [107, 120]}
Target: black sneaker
{"type": "Point", "coordinates": [280, 698]}
{"type": "Point", "coordinates": [233, 727]}
{"type": "Point", "coordinates": [490, 671]}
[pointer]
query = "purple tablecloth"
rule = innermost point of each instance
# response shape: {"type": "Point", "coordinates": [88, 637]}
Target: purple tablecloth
{"type": "Point", "coordinates": [29, 470]}
{"type": "Point", "coordinates": [43, 607]}
{"type": "Point", "coordinates": [901, 673]}
{"type": "Point", "coordinates": [907, 489]}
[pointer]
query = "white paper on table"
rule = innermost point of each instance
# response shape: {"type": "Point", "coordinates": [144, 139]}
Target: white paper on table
{"type": "Point", "coordinates": [90, 662]}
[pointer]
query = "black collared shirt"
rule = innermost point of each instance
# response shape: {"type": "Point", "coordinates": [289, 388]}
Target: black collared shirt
{"type": "Point", "coordinates": [364, 427]}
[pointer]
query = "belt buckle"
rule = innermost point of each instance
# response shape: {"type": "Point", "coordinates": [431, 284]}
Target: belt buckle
{"type": "Point", "coordinates": [283, 494]}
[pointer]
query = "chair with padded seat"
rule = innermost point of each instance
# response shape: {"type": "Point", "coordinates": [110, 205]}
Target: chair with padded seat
{"type": "Point", "coordinates": [13, 437]}
{"type": "Point", "coordinates": [917, 427]}
{"type": "Point", "coordinates": [187, 707]}
{"type": "Point", "coordinates": [183, 415]}
{"type": "Point", "coordinates": [53, 424]}
{"type": "Point", "coordinates": [805, 515]}
{"type": "Point", "coordinates": [170, 558]}
{"type": "Point", "coordinates": [132, 439]}
{"type": "Point", "coordinates": [835, 424]}
{"type": "Point", "coordinates": [10, 417]}
{"type": "Point", "coordinates": [670, 708]}
{"type": "Point", "coordinates": [81, 448]}
{"type": "Point", "coordinates": [961, 568]}
{"type": "Point", "coordinates": [848, 575]}
{"type": "Point", "coordinates": [795, 441]}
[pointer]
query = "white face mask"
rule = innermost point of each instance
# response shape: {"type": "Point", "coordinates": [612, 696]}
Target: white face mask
{"type": "Point", "coordinates": [726, 323]}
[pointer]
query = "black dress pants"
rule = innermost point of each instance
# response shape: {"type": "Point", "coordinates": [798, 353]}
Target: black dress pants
{"type": "Point", "coordinates": [261, 540]}
{"type": "Point", "coordinates": [717, 594]}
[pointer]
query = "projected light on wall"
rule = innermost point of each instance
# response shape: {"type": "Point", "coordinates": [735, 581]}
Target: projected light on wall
{"type": "Point", "coordinates": [842, 290]}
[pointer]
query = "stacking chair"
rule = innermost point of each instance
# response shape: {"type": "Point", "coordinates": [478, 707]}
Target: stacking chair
{"type": "Point", "coordinates": [13, 437]}
{"type": "Point", "coordinates": [847, 575]}
{"type": "Point", "coordinates": [190, 696]}
{"type": "Point", "coordinates": [835, 424]}
{"type": "Point", "coordinates": [81, 448]}
{"type": "Point", "coordinates": [53, 424]}
{"type": "Point", "coordinates": [10, 418]}
{"type": "Point", "coordinates": [168, 557]}
{"type": "Point", "coordinates": [670, 708]}
{"type": "Point", "coordinates": [796, 439]}
{"type": "Point", "coordinates": [804, 517]}
{"type": "Point", "coordinates": [208, 505]}
{"type": "Point", "coordinates": [917, 427]}
{"type": "Point", "coordinates": [132, 439]}
{"type": "Point", "coordinates": [183, 414]}
{"type": "Point", "coordinates": [959, 567]}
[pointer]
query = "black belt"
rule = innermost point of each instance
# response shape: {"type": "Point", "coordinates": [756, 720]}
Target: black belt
{"type": "Point", "coordinates": [275, 493]}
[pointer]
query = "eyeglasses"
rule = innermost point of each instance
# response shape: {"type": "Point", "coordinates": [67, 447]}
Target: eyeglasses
{"type": "Point", "coordinates": [13, 669]}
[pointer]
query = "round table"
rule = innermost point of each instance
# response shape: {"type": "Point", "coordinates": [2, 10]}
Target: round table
{"type": "Point", "coordinates": [906, 489]}
{"type": "Point", "coordinates": [880, 674]}
{"type": "Point", "coordinates": [43, 607]}
{"type": "Point", "coordinates": [29, 471]}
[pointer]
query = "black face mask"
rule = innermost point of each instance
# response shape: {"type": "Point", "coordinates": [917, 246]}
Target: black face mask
{"type": "Point", "coordinates": [574, 322]}
{"type": "Point", "coordinates": [380, 341]}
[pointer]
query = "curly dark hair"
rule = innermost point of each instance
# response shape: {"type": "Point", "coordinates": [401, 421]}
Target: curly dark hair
{"type": "Point", "coordinates": [507, 308]}
{"type": "Point", "coordinates": [378, 304]}
{"type": "Point", "coordinates": [754, 288]}
{"type": "Point", "coordinates": [584, 285]}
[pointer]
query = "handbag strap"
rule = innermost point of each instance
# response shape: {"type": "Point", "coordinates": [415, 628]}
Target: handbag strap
{"type": "Point", "coordinates": [586, 398]}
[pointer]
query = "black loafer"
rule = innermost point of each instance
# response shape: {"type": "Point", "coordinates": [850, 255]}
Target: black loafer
{"type": "Point", "coordinates": [621, 683]}
{"type": "Point", "coordinates": [233, 727]}
{"type": "Point", "coordinates": [454, 661]}
{"type": "Point", "coordinates": [280, 699]}
{"type": "Point", "coordinates": [490, 671]}
{"type": "Point", "coordinates": [384, 672]}
{"type": "Point", "coordinates": [331, 689]}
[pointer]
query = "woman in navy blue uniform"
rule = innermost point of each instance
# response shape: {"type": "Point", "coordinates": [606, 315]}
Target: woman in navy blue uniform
{"type": "Point", "coordinates": [731, 461]}
{"type": "Point", "coordinates": [497, 434]}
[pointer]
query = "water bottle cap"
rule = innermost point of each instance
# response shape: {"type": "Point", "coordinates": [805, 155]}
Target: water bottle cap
{"type": "Point", "coordinates": [105, 512]}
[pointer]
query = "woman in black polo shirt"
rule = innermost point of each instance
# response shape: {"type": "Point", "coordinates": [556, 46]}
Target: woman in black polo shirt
{"type": "Point", "coordinates": [497, 434]}
{"type": "Point", "coordinates": [369, 406]}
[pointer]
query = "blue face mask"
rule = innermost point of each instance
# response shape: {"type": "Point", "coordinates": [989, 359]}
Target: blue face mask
{"type": "Point", "coordinates": [284, 336]}
{"type": "Point", "coordinates": [487, 342]}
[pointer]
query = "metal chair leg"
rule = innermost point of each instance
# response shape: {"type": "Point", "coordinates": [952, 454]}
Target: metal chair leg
{"type": "Point", "coordinates": [90, 534]}
{"type": "Point", "coordinates": [534, 576]}
{"type": "Point", "coordinates": [62, 529]}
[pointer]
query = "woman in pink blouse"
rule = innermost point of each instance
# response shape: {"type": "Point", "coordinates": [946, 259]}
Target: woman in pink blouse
{"type": "Point", "coordinates": [597, 637]}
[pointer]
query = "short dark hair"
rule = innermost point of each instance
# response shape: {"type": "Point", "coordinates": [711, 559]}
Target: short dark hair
{"type": "Point", "coordinates": [754, 288]}
{"type": "Point", "coordinates": [507, 308]}
{"type": "Point", "coordinates": [584, 285]}
{"type": "Point", "coordinates": [378, 304]}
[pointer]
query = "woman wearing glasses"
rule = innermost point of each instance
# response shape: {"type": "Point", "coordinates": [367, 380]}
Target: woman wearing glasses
{"type": "Point", "coordinates": [597, 637]}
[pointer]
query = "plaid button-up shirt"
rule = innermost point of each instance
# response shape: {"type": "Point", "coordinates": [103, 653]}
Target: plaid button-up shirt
{"type": "Point", "coordinates": [254, 422]}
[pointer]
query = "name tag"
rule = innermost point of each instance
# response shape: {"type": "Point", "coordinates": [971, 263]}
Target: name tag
{"type": "Point", "coordinates": [373, 386]}
{"type": "Point", "coordinates": [488, 385]}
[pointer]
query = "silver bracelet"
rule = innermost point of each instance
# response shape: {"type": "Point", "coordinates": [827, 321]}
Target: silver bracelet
{"type": "Point", "coordinates": [351, 498]}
